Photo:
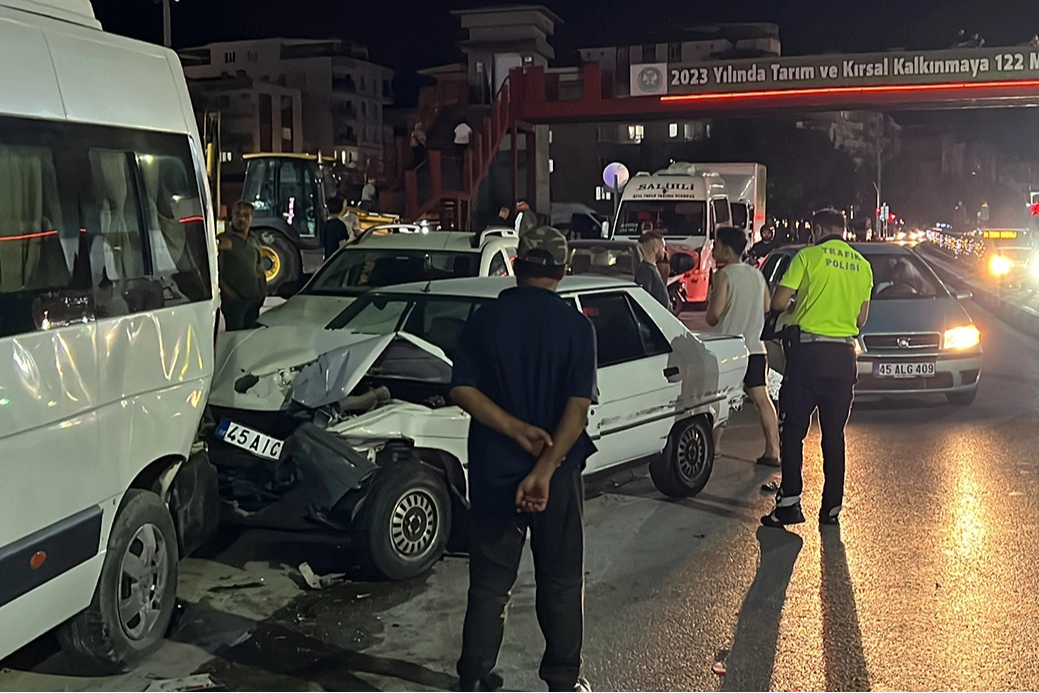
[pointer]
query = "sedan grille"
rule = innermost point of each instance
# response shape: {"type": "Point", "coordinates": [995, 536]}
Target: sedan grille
{"type": "Point", "coordinates": [902, 342]}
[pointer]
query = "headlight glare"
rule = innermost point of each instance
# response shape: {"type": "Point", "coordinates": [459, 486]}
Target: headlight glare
{"type": "Point", "coordinates": [962, 338]}
{"type": "Point", "coordinates": [1000, 265]}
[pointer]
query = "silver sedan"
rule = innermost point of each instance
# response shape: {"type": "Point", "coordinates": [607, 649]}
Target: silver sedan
{"type": "Point", "coordinates": [918, 339]}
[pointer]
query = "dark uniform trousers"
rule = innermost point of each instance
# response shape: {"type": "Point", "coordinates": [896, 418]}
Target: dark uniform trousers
{"type": "Point", "coordinates": [557, 541]}
{"type": "Point", "coordinates": [821, 375]}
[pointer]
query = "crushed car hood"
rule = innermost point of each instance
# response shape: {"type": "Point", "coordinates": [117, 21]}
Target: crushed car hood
{"type": "Point", "coordinates": [265, 368]}
{"type": "Point", "coordinates": [304, 309]}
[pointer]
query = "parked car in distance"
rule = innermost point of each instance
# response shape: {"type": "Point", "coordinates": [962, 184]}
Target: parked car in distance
{"type": "Point", "coordinates": [918, 339]}
{"type": "Point", "coordinates": [357, 410]}
{"type": "Point", "coordinates": [395, 254]}
{"type": "Point", "coordinates": [619, 258]}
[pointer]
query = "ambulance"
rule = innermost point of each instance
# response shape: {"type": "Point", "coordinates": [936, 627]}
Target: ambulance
{"type": "Point", "coordinates": [685, 204]}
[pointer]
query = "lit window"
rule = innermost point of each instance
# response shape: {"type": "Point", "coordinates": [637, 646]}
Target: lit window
{"type": "Point", "coordinates": [602, 193]}
{"type": "Point", "coordinates": [226, 156]}
{"type": "Point", "coordinates": [636, 133]}
{"type": "Point", "coordinates": [672, 130]}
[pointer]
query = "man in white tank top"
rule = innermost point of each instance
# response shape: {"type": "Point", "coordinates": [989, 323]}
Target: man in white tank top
{"type": "Point", "coordinates": [737, 305]}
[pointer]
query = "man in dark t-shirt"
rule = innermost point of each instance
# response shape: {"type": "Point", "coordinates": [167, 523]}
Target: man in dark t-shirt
{"type": "Point", "coordinates": [334, 233]}
{"type": "Point", "coordinates": [525, 371]}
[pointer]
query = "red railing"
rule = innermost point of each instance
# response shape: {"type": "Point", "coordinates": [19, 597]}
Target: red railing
{"type": "Point", "coordinates": [478, 158]}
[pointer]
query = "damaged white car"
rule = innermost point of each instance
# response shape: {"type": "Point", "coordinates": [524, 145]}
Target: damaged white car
{"type": "Point", "coordinates": [355, 416]}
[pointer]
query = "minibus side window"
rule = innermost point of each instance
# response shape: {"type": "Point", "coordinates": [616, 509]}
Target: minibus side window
{"type": "Point", "coordinates": [175, 219]}
{"type": "Point", "coordinates": [96, 222]}
{"type": "Point", "coordinates": [39, 236]}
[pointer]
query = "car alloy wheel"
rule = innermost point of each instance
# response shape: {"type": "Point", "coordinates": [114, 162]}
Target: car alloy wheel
{"type": "Point", "coordinates": [691, 453]}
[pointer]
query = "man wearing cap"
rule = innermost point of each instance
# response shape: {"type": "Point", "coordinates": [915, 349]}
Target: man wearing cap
{"type": "Point", "coordinates": [833, 283]}
{"type": "Point", "coordinates": [525, 371]}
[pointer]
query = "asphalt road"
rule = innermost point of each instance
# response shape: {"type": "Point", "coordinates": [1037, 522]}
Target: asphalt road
{"type": "Point", "coordinates": [930, 582]}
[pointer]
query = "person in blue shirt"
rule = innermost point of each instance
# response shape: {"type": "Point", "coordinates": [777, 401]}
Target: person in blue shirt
{"type": "Point", "coordinates": [525, 370]}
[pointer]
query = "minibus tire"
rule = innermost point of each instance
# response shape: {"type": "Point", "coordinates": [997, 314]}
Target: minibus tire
{"type": "Point", "coordinates": [97, 640]}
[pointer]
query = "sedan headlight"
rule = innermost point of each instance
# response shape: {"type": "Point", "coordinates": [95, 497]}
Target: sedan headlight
{"type": "Point", "coordinates": [962, 338]}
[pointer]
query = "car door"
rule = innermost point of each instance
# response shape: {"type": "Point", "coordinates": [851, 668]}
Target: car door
{"type": "Point", "coordinates": [636, 406]}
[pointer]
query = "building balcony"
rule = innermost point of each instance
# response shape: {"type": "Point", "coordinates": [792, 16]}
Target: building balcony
{"type": "Point", "coordinates": [345, 85]}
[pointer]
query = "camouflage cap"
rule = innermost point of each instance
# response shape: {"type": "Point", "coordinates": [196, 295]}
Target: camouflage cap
{"type": "Point", "coordinates": [543, 246]}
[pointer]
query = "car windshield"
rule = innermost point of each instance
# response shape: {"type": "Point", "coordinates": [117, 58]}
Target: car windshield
{"type": "Point", "coordinates": [671, 218]}
{"type": "Point", "coordinates": [603, 260]}
{"type": "Point", "coordinates": [356, 269]}
{"type": "Point", "coordinates": [903, 276]}
{"type": "Point", "coordinates": [437, 319]}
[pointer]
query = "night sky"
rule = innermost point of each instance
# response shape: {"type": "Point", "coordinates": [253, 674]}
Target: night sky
{"type": "Point", "coordinates": [407, 34]}
{"type": "Point", "coordinates": [411, 34]}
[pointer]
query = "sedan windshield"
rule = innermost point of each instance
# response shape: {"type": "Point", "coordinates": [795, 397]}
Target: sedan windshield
{"type": "Point", "coordinates": [357, 269]}
{"type": "Point", "coordinates": [437, 319]}
{"type": "Point", "coordinates": [903, 276]}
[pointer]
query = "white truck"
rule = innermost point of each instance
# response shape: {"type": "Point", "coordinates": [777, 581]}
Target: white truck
{"type": "Point", "coordinates": [685, 203]}
{"type": "Point", "coordinates": [746, 185]}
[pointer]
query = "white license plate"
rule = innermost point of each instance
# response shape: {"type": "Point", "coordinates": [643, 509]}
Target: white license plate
{"type": "Point", "coordinates": [904, 370]}
{"type": "Point", "coordinates": [250, 440]}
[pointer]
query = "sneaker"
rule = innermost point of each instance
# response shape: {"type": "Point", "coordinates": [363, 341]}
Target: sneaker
{"type": "Point", "coordinates": [582, 685]}
{"type": "Point", "coordinates": [491, 682]}
{"type": "Point", "coordinates": [785, 515]}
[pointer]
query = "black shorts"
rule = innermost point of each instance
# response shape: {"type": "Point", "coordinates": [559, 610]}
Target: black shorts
{"type": "Point", "coordinates": [757, 366]}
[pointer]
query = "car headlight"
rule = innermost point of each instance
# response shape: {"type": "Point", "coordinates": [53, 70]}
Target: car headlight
{"type": "Point", "coordinates": [1000, 265]}
{"type": "Point", "coordinates": [962, 338]}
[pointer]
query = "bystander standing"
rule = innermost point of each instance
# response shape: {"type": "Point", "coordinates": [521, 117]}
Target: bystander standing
{"type": "Point", "coordinates": [525, 367]}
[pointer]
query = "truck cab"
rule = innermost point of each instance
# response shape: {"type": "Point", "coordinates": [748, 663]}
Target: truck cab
{"type": "Point", "coordinates": [685, 205]}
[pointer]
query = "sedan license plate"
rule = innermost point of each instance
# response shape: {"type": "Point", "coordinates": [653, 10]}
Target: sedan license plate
{"type": "Point", "coordinates": [904, 370]}
{"type": "Point", "coordinates": [250, 440]}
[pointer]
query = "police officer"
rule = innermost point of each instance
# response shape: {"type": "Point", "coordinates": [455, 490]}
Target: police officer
{"type": "Point", "coordinates": [833, 283]}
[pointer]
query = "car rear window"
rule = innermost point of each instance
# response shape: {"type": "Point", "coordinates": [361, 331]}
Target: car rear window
{"type": "Point", "coordinates": [602, 260]}
{"type": "Point", "coordinates": [355, 270]}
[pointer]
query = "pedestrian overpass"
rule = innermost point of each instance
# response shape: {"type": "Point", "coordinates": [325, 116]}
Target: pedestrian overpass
{"type": "Point", "coordinates": [892, 80]}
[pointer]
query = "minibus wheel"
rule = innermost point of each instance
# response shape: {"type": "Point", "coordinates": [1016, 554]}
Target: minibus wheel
{"type": "Point", "coordinates": [135, 595]}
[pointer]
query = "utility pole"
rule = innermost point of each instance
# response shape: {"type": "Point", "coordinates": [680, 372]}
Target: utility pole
{"type": "Point", "coordinates": [167, 20]}
{"type": "Point", "coordinates": [167, 30]}
{"type": "Point", "coordinates": [880, 168]}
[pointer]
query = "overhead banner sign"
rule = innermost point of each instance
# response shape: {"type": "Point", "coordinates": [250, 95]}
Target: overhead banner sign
{"type": "Point", "coordinates": [839, 70]}
{"type": "Point", "coordinates": [649, 79]}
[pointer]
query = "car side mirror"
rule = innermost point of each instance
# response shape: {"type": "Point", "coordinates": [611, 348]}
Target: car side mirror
{"type": "Point", "coordinates": [606, 229]}
{"type": "Point", "coordinates": [682, 263]}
